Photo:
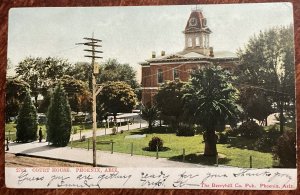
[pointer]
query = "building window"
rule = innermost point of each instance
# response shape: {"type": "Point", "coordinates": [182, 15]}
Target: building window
{"type": "Point", "coordinates": [160, 78]}
{"type": "Point", "coordinates": [190, 43]}
{"type": "Point", "coordinates": [175, 73]}
{"type": "Point", "coordinates": [197, 41]}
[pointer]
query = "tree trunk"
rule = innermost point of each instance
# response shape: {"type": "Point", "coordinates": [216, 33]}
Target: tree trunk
{"type": "Point", "coordinates": [210, 143]}
{"type": "Point", "coordinates": [150, 125]}
{"type": "Point", "coordinates": [281, 118]}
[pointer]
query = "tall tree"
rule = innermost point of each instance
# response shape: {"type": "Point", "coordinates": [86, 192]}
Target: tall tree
{"type": "Point", "coordinates": [211, 101]}
{"type": "Point", "coordinates": [169, 102]}
{"type": "Point", "coordinates": [27, 121]}
{"type": "Point", "coordinates": [81, 71]}
{"type": "Point", "coordinates": [40, 73]}
{"type": "Point", "coordinates": [59, 121]}
{"type": "Point", "coordinates": [267, 61]}
{"type": "Point", "coordinates": [112, 70]}
{"type": "Point", "coordinates": [116, 97]}
{"type": "Point", "coordinates": [255, 103]}
{"type": "Point", "coordinates": [15, 94]}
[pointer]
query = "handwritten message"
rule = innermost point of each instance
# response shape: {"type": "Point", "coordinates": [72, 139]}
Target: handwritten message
{"type": "Point", "coordinates": [177, 178]}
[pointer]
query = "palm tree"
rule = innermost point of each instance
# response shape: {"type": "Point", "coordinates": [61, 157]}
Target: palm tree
{"type": "Point", "coordinates": [150, 114]}
{"type": "Point", "coordinates": [210, 100]}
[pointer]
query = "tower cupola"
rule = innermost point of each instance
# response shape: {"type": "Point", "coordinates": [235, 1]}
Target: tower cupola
{"type": "Point", "coordinates": [197, 33]}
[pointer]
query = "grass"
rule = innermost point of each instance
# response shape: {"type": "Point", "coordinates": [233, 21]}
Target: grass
{"type": "Point", "coordinates": [10, 129]}
{"type": "Point", "coordinates": [194, 147]}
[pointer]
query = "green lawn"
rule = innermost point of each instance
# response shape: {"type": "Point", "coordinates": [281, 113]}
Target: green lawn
{"type": "Point", "coordinates": [174, 145]}
{"type": "Point", "coordinates": [10, 130]}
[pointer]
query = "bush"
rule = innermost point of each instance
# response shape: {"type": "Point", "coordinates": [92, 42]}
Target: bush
{"type": "Point", "coordinates": [223, 138]}
{"type": "Point", "coordinates": [232, 132]}
{"type": "Point", "coordinates": [268, 140]}
{"type": "Point", "coordinates": [185, 130]}
{"type": "Point", "coordinates": [285, 150]}
{"type": "Point", "coordinates": [250, 129]}
{"type": "Point", "coordinates": [199, 129]}
{"type": "Point", "coordinates": [154, 142]}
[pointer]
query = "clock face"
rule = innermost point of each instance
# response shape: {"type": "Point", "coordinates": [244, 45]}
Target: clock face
{"type": "Point", "coordinates": [193, 22]}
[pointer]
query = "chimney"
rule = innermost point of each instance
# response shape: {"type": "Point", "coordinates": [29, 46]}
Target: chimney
{"type": "Point", "coordinates": [153, 54]}
{"type": "Point", "coordinates": [211, 52]}
{"type": "Point", "coordinates": [163, 53]}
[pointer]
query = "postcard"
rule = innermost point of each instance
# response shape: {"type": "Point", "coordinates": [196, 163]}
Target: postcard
{"type": "Point", "coordinates": [164, 97]}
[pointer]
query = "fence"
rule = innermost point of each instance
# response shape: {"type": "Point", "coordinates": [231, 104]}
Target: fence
{"type": "Point", "coordinates": [132, 149]}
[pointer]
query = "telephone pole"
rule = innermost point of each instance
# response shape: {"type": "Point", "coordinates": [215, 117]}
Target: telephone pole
{"type": "Point", "coordinates": [92, 43]}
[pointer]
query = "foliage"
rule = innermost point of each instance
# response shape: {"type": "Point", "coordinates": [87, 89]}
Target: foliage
{"type": "Point", "coordinates": [285, 150]}
{"type": "Point", "coordinates": [255, 103]}
{"type": "Point", "coordinates": [266, 142]}
{"type": "Point", "coordinates": [27, 121]}
{"type": "Point", "coordinates": [185, 130]}
{"type": "Point", "coordinates": [40, 73]}
{"type": "Point", "coordinates": [112, 70]}
{"type": "Point", "coordinates": [150, 114]}
{"type": "Point", "coordinates": [250, 129]}
{"type": "Point", "coordinates": [79, 97]}
{"type": "Point", "coordinates": [267, 61]}
{"type": "Point", "coordinates": [232, 132]}
{"type": "Point", "coordinates": [155, 143]}
{"type": "Point", "coordinates": [15, 93]}
{"type": "Point", "coordinates": [223, 138]}
{"type": "Point", "coordinates": [81, 71]}
{"type": "Point", "coordinates": [210, 100]}
{"type": "Point", "coordinates": [116, 96]}
{"type": "Point", "coordinates": [59, 123]}
{"type": "Point", "coordinates": [169, 102]}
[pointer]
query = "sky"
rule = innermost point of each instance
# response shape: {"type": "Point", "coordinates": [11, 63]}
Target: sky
{"type": "Point", "coordinates": [130, 34]}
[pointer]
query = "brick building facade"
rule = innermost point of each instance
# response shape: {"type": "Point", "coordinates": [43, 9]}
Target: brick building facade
{"type": "Point", "coordinates": [197, 53]}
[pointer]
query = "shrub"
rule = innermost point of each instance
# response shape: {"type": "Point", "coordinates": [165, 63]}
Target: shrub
{"type": "Point", "coordinates": [250, 129]}
{"type": "Point", "coordinates": [154, 142]}
{"type": "Point", "coordinates": [223, 138]}
{"type": "Point", "coordinates": [185, 130]}
{"type": "Point", "coordinates": [27, 121]}
{"type": "Point", "coordinates": [268, 140]}
{"type": "Point", "coordinates": [199, 129]}
{"type": "Point", "coordinates": [232, 132]}
{"type": "Point", "coordinates": [285, 150]}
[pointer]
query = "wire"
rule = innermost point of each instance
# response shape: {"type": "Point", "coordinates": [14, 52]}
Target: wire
{"type": "Point", "coordinates": [244, 84]}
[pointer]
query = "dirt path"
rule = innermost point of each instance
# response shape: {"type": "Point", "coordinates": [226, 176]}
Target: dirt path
{"type": "Point", "coordinates": [12, 160]}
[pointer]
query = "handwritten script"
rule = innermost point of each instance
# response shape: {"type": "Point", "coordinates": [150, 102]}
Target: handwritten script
{"type": "Point", "coordinates": [112, 177]}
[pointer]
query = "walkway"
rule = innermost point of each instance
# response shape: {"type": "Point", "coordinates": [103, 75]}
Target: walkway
{"type": "Point", "coordinates": [104, 131]}
{"type": "Point", "coordinates": [42, 149]}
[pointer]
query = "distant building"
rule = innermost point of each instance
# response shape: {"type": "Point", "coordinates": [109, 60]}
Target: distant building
{"type": "Point", "coordinates": [196, 54]}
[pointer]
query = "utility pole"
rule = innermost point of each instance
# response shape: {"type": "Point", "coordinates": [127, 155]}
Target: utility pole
{"type": "Point", "coordinates": [93, 43]}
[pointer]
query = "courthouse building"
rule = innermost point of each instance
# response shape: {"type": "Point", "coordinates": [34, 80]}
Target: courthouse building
{"type": "Point", "coordinates": [197, 53]}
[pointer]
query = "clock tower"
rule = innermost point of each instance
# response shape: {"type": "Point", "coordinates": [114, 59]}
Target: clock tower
{"type": "Point", "coordinates": [197, 34]}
